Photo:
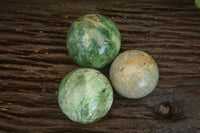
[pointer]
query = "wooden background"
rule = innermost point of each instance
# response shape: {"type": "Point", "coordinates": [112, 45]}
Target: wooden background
{"type": "Point", "coordinates": [34, 59]}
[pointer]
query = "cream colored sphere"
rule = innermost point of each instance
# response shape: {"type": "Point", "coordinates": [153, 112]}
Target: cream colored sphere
{"type": "Point", "coordinates": [134, 74]}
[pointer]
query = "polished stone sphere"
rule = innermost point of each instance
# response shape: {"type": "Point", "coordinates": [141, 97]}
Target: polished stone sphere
{"type": "Point", "coordinates": [93, 41]}
{"type": "Point", "coordinates": [197, 3]}
{"type": "Point", "coordinates": [134, 74]}
{"type": "Point", "coordinates": [85, 95]}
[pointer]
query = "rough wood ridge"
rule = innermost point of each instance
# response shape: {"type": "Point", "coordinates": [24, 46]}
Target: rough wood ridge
{"type": "Point", "coordinates": [34, 59]}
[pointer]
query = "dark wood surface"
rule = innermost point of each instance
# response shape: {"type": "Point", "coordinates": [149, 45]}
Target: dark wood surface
{"type": "Point", "coordinates": [34, 59]}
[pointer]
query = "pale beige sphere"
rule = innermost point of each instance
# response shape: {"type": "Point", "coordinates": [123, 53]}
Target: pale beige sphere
{"type": "Point", "coordinates": [134, 74]}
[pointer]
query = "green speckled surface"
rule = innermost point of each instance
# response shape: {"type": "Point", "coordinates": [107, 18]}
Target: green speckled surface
{"type": "Point", "coordinates": [134, 74]}
{"type": "Point", "coordinates": [93, 41]}
{"type": "Point", "coordinates": [197, 3]}
{"type": "Point", "coordinates": [85, 95]}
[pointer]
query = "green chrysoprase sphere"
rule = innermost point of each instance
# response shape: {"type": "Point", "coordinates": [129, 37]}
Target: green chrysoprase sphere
{"type": "Point", "coordinates": [134, 74]}
{"type": "Point", "coordinates": [197, 3]}
{"type": "Point", "coordinates": [93, 41]}
{"type": "Point", "coordinates": [85, 95]}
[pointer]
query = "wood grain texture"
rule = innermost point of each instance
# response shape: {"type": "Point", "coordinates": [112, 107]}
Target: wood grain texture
{"type": "Point", "coordinates": [34, 59]}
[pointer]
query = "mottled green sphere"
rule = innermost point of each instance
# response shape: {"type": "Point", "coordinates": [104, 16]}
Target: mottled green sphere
{"type": "Point", "coordinates": [93, 41]}
{"type": "Point", "coordinates": [134, 74]}
{"type": "Point", "coordinates": [197, 3]}
{"type": "Point", "coordinates": [85, 95]}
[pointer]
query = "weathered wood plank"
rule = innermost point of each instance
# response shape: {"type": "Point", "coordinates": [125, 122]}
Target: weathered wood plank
{"type": "Point", "coordinates": [34, 59]}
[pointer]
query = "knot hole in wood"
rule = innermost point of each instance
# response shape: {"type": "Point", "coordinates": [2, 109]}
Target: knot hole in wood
{"type": "Point", "coordinates": [169, 110]}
